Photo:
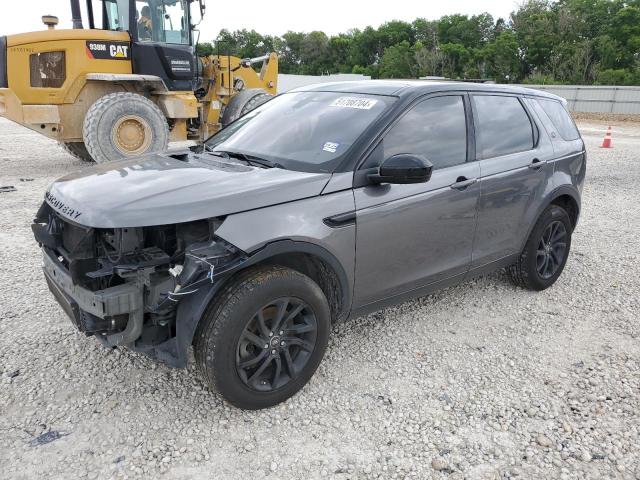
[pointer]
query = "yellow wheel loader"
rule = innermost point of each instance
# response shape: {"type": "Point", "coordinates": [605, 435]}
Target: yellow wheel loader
{"type": "Point", "coordinates": [128, 84]}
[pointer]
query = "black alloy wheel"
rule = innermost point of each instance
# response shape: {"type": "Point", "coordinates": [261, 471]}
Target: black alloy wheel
{"type": "Point", "coordinates": [551, 249]}
{"type": "Point", "coordinates": [263, 336]}
{"type": "Point", "coordinates": [276, 344]}
{"type": "Point", "coordinates": [545, 253]}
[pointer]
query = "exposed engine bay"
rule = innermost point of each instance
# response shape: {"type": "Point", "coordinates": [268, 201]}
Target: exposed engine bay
{"type": "Point", "coordinates": [123, 285]}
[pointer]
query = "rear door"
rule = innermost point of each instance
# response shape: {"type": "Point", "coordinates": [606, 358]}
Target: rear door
{"type": "Point", "coordinates": [514, 155]}
{"type": "Point", "coordinates": [409, 236]}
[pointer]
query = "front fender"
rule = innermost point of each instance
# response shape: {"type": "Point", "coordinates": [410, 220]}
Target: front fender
{"type": "Point", "coordinates": [191, 309]}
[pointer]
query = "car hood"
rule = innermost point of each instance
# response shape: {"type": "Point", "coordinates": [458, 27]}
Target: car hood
{"type": "Point", "coordinates": [161, 189]}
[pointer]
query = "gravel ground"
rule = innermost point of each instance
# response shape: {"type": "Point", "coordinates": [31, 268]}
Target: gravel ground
{"type": "Point", "coordinates": [480, 381]}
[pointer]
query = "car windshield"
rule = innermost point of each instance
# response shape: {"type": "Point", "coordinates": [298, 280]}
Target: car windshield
{"type": "Point", "coordinates": [302, 131]}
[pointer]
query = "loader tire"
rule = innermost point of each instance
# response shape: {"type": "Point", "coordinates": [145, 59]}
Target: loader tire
{"type": "Point", "coordinates": [124, 124]}
{"type": "Point", "coordinates": [242, 103]}
{"type": "Point", "coordinates": [77, 150]}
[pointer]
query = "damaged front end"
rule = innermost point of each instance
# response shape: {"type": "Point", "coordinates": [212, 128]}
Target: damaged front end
{"type": "Point", "coordinates": [124, 285]}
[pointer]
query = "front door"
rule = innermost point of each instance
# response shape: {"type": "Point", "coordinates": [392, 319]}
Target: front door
{"type": "Point", "coordinates": [409, 236]}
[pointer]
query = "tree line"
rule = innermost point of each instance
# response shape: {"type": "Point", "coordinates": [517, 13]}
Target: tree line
{"type": "Point", "coordinates": [542, 42]}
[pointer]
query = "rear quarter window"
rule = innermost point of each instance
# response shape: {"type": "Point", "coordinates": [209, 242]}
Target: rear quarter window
{"type": "Point", "coordinates": [560, 118]}
{"type": "Point", "coordinates": [502, 127]}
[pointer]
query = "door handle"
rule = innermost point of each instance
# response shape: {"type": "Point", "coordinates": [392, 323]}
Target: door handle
{"type": "Point", "coordinates": [463, 182]}
{"type": "Point", "coordinates": [537, 164]}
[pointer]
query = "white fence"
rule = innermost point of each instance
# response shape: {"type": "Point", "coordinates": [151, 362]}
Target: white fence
{"type": "Point", "coordinates": [600, 99]}
{"type": "Point", "coordinates": [288, 82]}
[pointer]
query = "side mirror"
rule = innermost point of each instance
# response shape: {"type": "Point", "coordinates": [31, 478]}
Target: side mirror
{"type": "Point", "coordinates": [403, 168]}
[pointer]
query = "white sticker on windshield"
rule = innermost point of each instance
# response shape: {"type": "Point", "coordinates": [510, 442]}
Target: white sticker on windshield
{"type": "Point", "coordinates": [354, 102]}
{"type": "Point", "coordinates": [330, 147]}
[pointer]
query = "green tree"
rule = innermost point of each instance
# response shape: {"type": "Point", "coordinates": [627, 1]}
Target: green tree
{"type": "Point", "coordinates": [564, 41]}
{"type": "Point", "coordinates": [611, 76]}
{"type": "Point", "coordinates": [365, 47]}
{"type": "Point", "coordinates": [204, 49]}
{"type": "Point", "coordinates": [430, 61]}
{"type": "Point", "coordinates": [502, 56]}
{"type": "Point", "coordinates": [394, 33]}
{"type": "Point", "coordinates": [398, 61]}
{"type": "Point", "coordinates": [534, 27]}
{"type": "Point", "coordinates": [290, 52]}
{"type": "Point", "coordinates": [455, 57]}
{"type": "Point", "coordinates": [425, 32]}
{"type": "Point", "coordinates": [314, 53]}
{"type": "Point", "coordinates": [339, 48]}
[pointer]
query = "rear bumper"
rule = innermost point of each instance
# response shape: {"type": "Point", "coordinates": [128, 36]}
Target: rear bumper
{"type": "Point", "coordinates": [86, 308]}
{"type": "Point", "coordinates": [44, 119]}
{"type": "Point", "coordinates": [10, 106]}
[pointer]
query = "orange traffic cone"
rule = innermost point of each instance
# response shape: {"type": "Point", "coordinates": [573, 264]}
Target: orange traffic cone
{"type": "Point", "coordinates": [606, 143]}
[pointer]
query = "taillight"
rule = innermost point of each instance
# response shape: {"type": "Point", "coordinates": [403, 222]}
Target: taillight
{"type": "Point", "coordinates": [47, 69]}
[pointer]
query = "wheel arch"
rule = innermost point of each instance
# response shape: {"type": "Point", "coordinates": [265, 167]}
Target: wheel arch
{"type": "Point", "coordinates": [570, 204]}
{"type": "Point", "coordinates": [315, 262]}
{"type": "Point", "coordinates": [307, 258]}
{"type": "Point", "coordinates": [566, 197]}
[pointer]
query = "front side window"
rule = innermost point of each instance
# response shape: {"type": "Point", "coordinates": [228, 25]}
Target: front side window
{"type": "Point", "coordinates": [163, 21]}
{"type": "Point", "coordinates": [435, 129]}
{"type": "Point", "coordinates": [303, 131]}
{"type": "Point", "coordinates": [502, 126]}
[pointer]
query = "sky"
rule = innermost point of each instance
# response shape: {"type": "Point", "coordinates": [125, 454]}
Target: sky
{"type": "Point", "coordinates": [330, 16]}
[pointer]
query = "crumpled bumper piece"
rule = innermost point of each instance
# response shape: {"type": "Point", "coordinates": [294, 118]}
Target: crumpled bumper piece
{"type": "Point", "coordinates": [126, 299]}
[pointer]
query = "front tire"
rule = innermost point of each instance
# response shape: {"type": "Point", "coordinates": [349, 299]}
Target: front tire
{"type": "Point", "coordinates": [77, 150]}
{"type": "Point", "coordinates": [545, 254]}
{"type": "Point", "coordinates": [124, 124]}
{"type": "Point", "coordinates": [242, 103]}
{"type": "Point", "coordinates": [264, 336]}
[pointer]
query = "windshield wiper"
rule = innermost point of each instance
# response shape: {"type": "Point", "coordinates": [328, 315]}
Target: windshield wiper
{"type": "Point", "coordinates": [208, 149]}
{"type": "Point", "coordinates": [249, 159]}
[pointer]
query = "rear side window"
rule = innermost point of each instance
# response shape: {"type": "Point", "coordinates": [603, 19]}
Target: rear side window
{"type": "Point", "coordinates": [503, 126]}
{"type": "Point", "coordinates": [560, 118]}
{"type": "Point", "coordinates": [435, 128]}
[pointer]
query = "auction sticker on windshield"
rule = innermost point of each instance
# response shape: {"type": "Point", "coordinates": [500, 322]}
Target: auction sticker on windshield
{"type": "Point", "coordinates": [354, 102]}
{"type": "Point", "coordinates": [330, 147]}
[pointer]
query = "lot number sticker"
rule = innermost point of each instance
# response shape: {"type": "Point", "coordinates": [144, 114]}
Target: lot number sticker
{"type": "Point", "coordinates": [354, 102]}
{"type": "Point", "coordinates": [330, 147]}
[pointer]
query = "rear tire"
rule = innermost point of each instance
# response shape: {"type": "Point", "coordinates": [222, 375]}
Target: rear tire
{"type": "Point", "coordinates": [124, 124]}
{"type": "Point", "coordinates": [242, 349]}
{"type": "Point", "coordinates": [77, 150]}
{"type": "Point", "coordinates": [243, 102]}
{"type": "Point", "coordinates": [545, 254]}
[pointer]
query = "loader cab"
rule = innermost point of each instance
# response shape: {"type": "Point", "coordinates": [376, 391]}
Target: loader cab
{"type": "Point", "coordinates": [161, 34]}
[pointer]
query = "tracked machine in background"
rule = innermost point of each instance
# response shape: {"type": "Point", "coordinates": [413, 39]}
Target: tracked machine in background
{"type": "Point", "coordinates": [128, 84]}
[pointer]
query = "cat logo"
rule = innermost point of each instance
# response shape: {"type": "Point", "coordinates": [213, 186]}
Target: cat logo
{"type": "Point", "coordinates": [98, 50]}
{"type": "Point", "coordinates": [118, 51]}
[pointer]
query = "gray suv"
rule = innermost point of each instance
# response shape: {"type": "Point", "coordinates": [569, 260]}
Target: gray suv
{"type": "Point", "coordinates": [325, 203]}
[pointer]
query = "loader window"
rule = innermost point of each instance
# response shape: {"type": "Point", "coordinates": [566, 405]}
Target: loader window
{"type": "Point", "coordinates": [47, 70]}
{"type": "Point", "coordinates": [115, 15]}
{"type": "Point", "coordinates": [164, 21]}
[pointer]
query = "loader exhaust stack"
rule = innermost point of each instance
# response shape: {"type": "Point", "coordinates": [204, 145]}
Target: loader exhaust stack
{"type": "Point", "coordinates": [76, 15]}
